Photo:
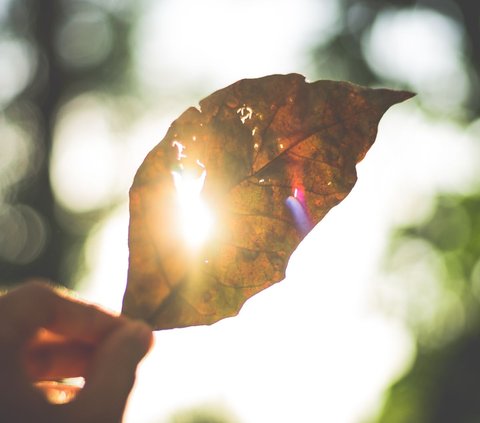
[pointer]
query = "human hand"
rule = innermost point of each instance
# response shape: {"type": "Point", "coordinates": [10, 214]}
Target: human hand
{"type": "Point", "coordinates": [48, 336]}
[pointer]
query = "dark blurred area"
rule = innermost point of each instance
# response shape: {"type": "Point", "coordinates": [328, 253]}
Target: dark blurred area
{"type": "Point", "coordinates": [57, 54]}
{"type": "Point", "coordinates": [440, 301]}
{"type": "Point", "coordinates": [53, 51]}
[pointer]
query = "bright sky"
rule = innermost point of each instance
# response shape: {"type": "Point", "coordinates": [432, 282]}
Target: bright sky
{"type": "Point", "coordinates": [313, 347]}
{"type": "Point", "coordinates": [183, 44]}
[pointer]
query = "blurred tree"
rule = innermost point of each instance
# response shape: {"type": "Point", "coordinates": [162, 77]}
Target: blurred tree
{"type": "Point", "coordinates": [443, 383]}
{"type": "Point", "coordinates": [73, 47]}
{"type": "Point", "coordinates": [441, 387]}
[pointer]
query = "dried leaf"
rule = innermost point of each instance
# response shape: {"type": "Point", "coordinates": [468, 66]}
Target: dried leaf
{"type": "Point", "coordinates": [267, 158]}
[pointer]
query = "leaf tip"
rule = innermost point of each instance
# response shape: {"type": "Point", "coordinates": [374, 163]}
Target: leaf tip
{"type": "Point", "coordinates": [405, 95]}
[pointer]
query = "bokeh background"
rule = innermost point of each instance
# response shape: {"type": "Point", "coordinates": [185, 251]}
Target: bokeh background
{"type": "Point", "coordinates": [378, 319]}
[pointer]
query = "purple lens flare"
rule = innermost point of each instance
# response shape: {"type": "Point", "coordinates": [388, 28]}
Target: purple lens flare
{"type": "Point", "coordinates": [296, 205]}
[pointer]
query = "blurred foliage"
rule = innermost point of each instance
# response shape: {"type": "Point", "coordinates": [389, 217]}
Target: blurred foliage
{"type": "Point", "coordinates": [442, 384]}
{"type": "Point", "coordinates": [441, 387]}
{"type": "Point", "coordinates": [436, 264]}
{"type": "Point", "coordinates": [202, 414]}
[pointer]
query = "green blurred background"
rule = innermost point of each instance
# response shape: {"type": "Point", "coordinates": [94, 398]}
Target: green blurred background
{"type": "Point", "coordinates": [88, 87]}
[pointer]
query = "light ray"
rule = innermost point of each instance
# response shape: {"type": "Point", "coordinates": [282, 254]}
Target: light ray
{"type": "Point", "coordinates": [195, 218]}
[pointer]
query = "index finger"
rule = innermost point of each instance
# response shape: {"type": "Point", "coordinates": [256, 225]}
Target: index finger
{"type": "Point", "coordinates": [36, 305]}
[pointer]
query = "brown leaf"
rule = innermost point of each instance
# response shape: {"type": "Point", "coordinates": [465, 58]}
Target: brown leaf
{"type": "Point", "coordinates": [276, 153]}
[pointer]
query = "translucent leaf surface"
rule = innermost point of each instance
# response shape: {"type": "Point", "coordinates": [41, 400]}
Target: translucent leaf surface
{"type": "Point", "coordinates": [220, 204]}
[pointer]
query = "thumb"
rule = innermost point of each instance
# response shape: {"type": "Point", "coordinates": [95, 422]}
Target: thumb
{"type": "Point", "coordinates": [112, 372]}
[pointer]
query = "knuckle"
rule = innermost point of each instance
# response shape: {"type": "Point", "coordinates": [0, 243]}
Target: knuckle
{"type": "Point", "coordinates": [39, 287]}
{"type": "Point", "coordinates": [36, 292]}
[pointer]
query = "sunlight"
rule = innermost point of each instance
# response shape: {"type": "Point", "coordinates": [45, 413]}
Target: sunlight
{"type": "Point", "coordinates": [194, 216]}
{"type": "Point", "coordinates": [106, 261]}
{"type": "Point", "coordinates": [17, 67]}
{"type": "Point", "coordinates": [245, 113]}
{"type": "Point", "coordinates": [427, 56]}
{"type": "Point", "coordinates": [85, 159]}
{"type": "Point", "coordinates": [226, 32]}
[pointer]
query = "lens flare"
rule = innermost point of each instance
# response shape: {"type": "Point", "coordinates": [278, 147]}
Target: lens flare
{"type": "Point", "coordinates": [195, 218]}
{"type": "Point", "coordinates": [296, 205]}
